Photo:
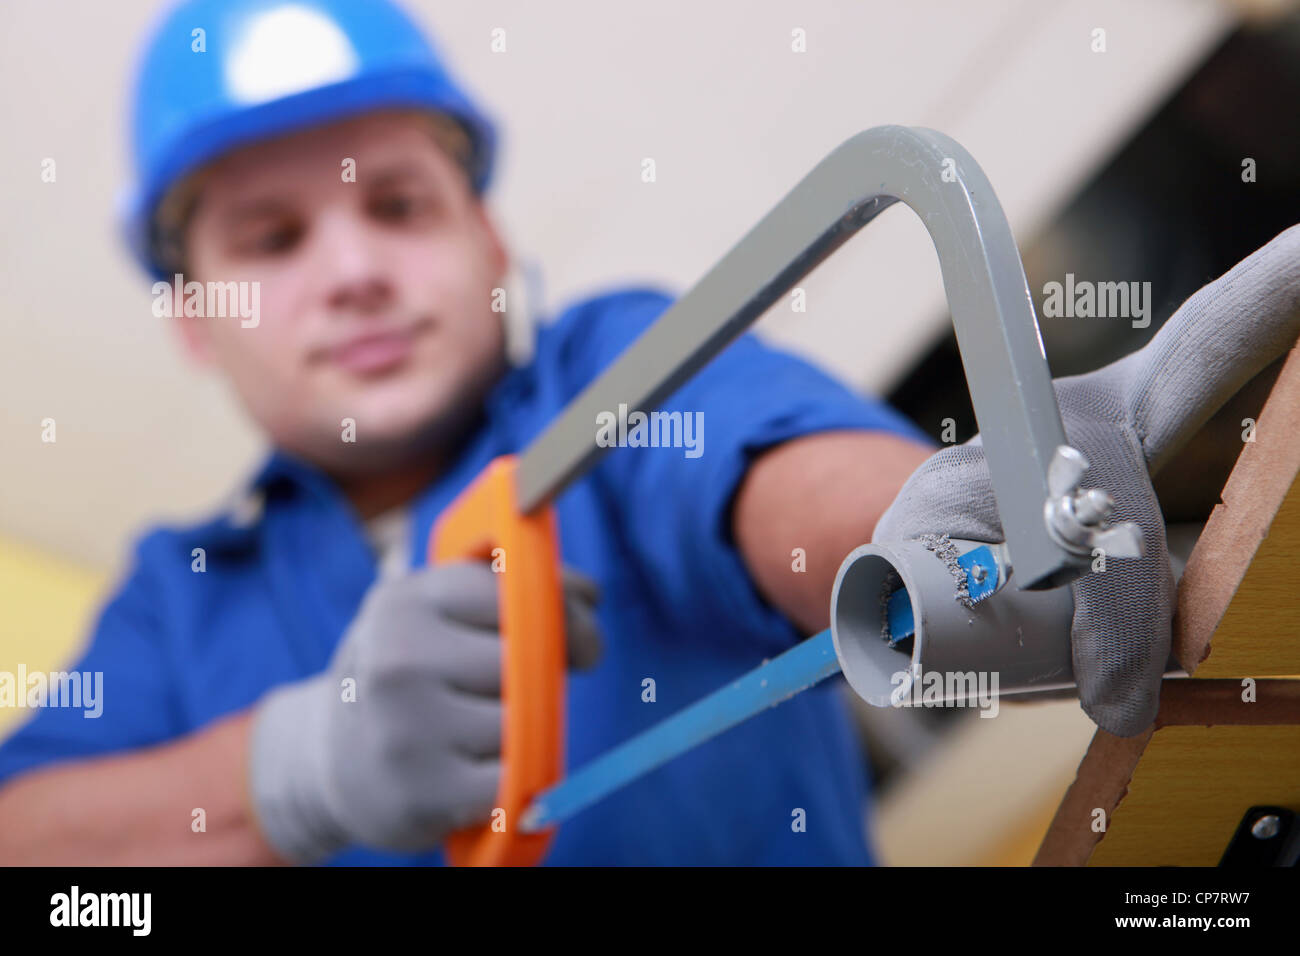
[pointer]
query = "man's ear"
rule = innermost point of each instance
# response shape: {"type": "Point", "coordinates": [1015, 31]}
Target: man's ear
{"type": "Point", "coordinates": [191, 330]}
{"type": "Point", "coordinates": [496, 246]}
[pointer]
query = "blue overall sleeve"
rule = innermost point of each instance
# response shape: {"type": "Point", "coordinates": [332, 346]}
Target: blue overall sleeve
{"type": "Point", "coordinates": [674, 503]}
{"type": "Point", "coordinates": [126, 661]}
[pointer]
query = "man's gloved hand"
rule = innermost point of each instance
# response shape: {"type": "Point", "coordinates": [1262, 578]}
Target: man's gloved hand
{"type": "Point", "coordinates": [1128, 419]}
{"type": "Point", "coordinates": [416, 754]}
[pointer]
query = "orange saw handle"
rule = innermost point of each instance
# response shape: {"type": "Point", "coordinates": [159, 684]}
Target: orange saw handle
{"type": "Point", "coordinates": [483, 523]}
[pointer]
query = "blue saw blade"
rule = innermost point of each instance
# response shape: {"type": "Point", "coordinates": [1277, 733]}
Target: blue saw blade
{"type": "Point", "coordinates": [799, 668]}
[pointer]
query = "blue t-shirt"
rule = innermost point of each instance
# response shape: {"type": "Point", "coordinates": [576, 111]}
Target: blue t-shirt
{"type": "Point", "coordinates": [179, 649]}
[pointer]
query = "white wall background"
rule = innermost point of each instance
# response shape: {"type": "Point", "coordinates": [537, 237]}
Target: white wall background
{"type": "Point", "coordinates": [585, 91]}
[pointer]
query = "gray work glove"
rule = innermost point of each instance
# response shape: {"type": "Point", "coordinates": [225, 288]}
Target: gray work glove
{"type": "Point", "coordinates": [1128, 419]}
{"type": "Point", "coordinates": [416, 753]}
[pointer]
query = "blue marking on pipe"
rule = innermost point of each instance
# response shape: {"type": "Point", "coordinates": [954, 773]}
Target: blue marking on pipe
{"type": "Point", "coordinates": [799, 668]}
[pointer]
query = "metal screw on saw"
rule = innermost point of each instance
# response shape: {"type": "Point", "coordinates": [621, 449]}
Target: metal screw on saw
{"type": "Point", "coordinates": [1078, 519]}
{"type": "Point", "coordinates": [1093, 506]}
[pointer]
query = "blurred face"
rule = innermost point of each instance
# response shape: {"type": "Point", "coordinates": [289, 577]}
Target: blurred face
{"type": "Point", "coordinates": [375, 295]}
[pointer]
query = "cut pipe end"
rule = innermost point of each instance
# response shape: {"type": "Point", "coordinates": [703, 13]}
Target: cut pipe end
{"type": "Point", "coordinates": [873, 668]}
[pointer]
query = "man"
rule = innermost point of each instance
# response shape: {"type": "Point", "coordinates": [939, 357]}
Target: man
{"type": "Point", "coordinates": [289, 682]}
{"type": "Point", "coordinates": [261, 674]}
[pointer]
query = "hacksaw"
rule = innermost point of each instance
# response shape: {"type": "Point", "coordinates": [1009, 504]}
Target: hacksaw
{"type": "Point", "coordinates": [1035, 476]}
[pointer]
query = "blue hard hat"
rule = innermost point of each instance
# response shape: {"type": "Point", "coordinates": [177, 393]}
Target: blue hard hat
{"type": "Point", "coordinates": [269, 67]}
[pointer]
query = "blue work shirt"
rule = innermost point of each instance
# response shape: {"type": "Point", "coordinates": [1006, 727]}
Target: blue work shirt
{"type": "Point", "coordinates": [179, 649]}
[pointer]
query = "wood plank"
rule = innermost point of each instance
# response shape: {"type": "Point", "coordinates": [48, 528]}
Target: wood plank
{"type": "Point", "coordinates": [1259, 634]}
{"type": "Point", "coordinates": [1248, 622]}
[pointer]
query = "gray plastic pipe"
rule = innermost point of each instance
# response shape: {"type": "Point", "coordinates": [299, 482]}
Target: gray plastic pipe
{"type": "Point", "coordinates": [1021, 635]}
